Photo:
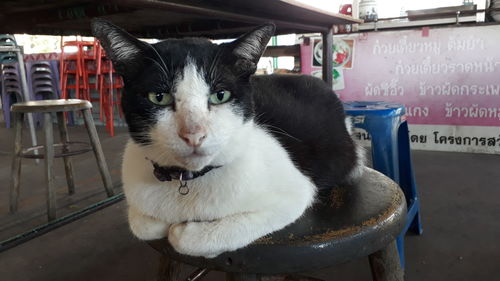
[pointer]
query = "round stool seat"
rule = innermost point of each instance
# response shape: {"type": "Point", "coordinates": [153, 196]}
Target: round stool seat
{"type": "Point", "coordinates": [51, 105]}
{"type": "Point", "coordinates": [355, 221]}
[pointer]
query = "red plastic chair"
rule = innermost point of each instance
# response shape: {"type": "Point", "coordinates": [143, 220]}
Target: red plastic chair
{"type": "Point", "coordinates": [87, 62]}
{"type": "Point", "coordinates": [73, 65]}
{"type": "Point", "coordinates": [109, 83]}
{"type": "Point", "coordinates": [91, 60]}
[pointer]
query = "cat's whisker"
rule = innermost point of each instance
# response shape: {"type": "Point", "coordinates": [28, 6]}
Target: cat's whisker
{"type": "Point", "coordinates": [256, 118]}
{"type": "Point", "coordinates": [278, 130]}
{"type": "Point", "coordinates": [213, 67]}
{"type": "Point", "coordinates": [161, 157]}
{"type": "Point", "coordinates": [159, 66]}
{"type": "Point", "coordinates": [284, 133]}
{"type": "Point", "coordinates": [263, 123]}
{"type": "Point", "coordinates": [161, 59]}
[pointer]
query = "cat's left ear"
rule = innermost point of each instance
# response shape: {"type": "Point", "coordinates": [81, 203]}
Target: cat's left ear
{"type": "Point", "coordinates": [248, 48]}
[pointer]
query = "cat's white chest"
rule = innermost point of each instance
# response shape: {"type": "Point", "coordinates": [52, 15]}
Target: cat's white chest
{"type": "Point", "coordinates": [260, 176]}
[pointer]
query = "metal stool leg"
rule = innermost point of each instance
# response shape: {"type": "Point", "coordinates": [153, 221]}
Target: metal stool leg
{"type": "Point", "coordinates": [400, 242]}
{"type": "Point", "coordinates": [26, 96]}
{"type": "Point", "coordinates": [407, 180]}
{"type": "Point", "coordinates": [49, 161]}
{"type": "Point", "coordinates": [96, 145]}
{"type": "Point", "coordinates": [416, 225]}
{"type": "Point", "coordinates": [232, 276]}
{"type": "Point", "coordinates": [391, 145]}
{"type": "Point", "coordinates": [16, 163]}
{"type": "Point", "coordinates": [385, 264]}
{"type": "Point", "coordinates": [287, 277]}
{"type": "Point", "coordinates": [68, 165]}
{"type": "Point", "coordinates": [169, 269]}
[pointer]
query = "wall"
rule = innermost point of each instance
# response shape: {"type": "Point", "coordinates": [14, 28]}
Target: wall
{"type": "Point", "coordinates": [448, 78]}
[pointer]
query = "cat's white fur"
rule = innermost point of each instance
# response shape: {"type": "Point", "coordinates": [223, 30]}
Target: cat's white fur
{"type": "Point", "coordinates": [257, 189]}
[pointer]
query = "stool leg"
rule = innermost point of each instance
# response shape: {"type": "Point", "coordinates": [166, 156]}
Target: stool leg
{"type": "Point", "coordinates": [385, 264]}
{"type": "Point", "coordinates": [416, 225]}
{"type": "Point", "coordinates": [26, 97]}
{"type": "Point", "coordinates": [6, 109]}
{"type": "Point", "coordinates": [68, 165]}
{"type": "Point", "coordinates": [96, 145]}
{"type": "Point", "coordinates": [407, 178]}
{"type": "Point", "coordinates": [49, 161]}
{"type": "Point", "coordinates": [16, 162]}
{"type": "Point", "coordinates": [383, 152]}
{"type": "Point", "coordinates": [234, 276]}
{"type": "Point", "coordinates": [290, 277]}
{"type": "Point", "coordinates": [400, 243]}
{"type": "Point", "coordinates": [169, 269]}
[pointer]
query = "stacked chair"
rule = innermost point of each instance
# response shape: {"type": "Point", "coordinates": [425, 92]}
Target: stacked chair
{"type": "Point", "coordinates": [14, 85]}
{"type": "Point", "coordinates": [11, 88]}
{"type": "Point", "coordinates": [87, 74]}
{"type": "Point", "coordinates": [43, 78]}
{"type": "Point", "coordinates": [10, 77]}
{"type": "Point", "coordinates": [8, 40]}
{"type": "Point", "coordinates": [72, 68]}
{"type": "Point", "coordinates": [109, 84]}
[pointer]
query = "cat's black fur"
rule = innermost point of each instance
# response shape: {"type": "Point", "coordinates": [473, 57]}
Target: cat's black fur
{"type": "Point", "coordinates": [302, 112]}
{"type": "Point", "coordinates": [306, 116]}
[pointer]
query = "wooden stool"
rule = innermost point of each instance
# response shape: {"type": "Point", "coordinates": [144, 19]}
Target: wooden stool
{"type": "Point", "coordinates": [47, 107]}
{"type": "Point", "coordinates": [356, 221]}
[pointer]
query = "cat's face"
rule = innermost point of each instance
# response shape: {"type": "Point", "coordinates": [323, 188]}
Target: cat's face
{"type": "Point", "coordinates": [185, 100]}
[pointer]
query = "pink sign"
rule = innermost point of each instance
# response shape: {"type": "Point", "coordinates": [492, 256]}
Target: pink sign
{"type": "Point", "coordinates": [447, 76]}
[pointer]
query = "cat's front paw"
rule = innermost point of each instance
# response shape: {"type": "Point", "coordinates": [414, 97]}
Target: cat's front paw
{"type": "Point", "coordinates": [145, 227]}
{"type": "Point", "coordinates": [190, 238]}
{"type": "Point", "coordinates": [149, 231]}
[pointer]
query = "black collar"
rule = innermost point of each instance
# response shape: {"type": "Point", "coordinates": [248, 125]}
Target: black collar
{"type": "Point", "coordinates": [168, 173]}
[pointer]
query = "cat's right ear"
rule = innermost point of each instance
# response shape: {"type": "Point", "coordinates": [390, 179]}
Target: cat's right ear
{"type": "Point", "coordinates": [125, 51]}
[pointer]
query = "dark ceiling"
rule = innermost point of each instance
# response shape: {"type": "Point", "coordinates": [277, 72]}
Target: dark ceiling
{"type": "Point", "coordinates": [163, 19]}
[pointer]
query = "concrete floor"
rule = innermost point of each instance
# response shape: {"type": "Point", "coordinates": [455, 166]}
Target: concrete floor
{"type": "Point", "coordinates": [32, 205]}
{"type": "Point", "coordinates": [460, 212]}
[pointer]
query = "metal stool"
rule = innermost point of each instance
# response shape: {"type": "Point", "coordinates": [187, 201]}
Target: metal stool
{"type": "Point", "coordinates": [356, 221]}
{"type": "Point", "coordinates": [388, 129]}
{"type": "Point", "coordinates": [47, 107]}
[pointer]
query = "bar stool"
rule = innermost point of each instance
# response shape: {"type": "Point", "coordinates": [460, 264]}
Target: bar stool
{"type": "Point", "coordinates": [388, 128]}
{"type": "Point", "coordinates": [68, 148]}
{"type": "Point", "coordinates": [358, 220]}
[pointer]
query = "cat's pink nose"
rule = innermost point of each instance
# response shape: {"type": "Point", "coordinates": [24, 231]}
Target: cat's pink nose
{"type": "Point", "coordinates": [193, 140]}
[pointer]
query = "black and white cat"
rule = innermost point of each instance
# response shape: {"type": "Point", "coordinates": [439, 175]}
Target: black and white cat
{"type": "Point", "coordinates": [253, 151]}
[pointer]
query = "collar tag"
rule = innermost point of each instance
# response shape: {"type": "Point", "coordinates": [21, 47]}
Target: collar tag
{"type": "Point", "coordinates": [183, 186]}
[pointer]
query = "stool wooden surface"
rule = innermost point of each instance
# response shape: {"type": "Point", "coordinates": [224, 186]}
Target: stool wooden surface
{"type": "Point", "coordinates": [47, 107]}
{"type": "Point", "coordinates": [355, 221]}
{"type": "Point", "coordinates": [51, 106]}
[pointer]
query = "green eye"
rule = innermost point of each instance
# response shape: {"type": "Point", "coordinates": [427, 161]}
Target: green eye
{"type": "Point", "coordinates": [160, 98]}
{"type": "Point", "coordinates": [219, 97]}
